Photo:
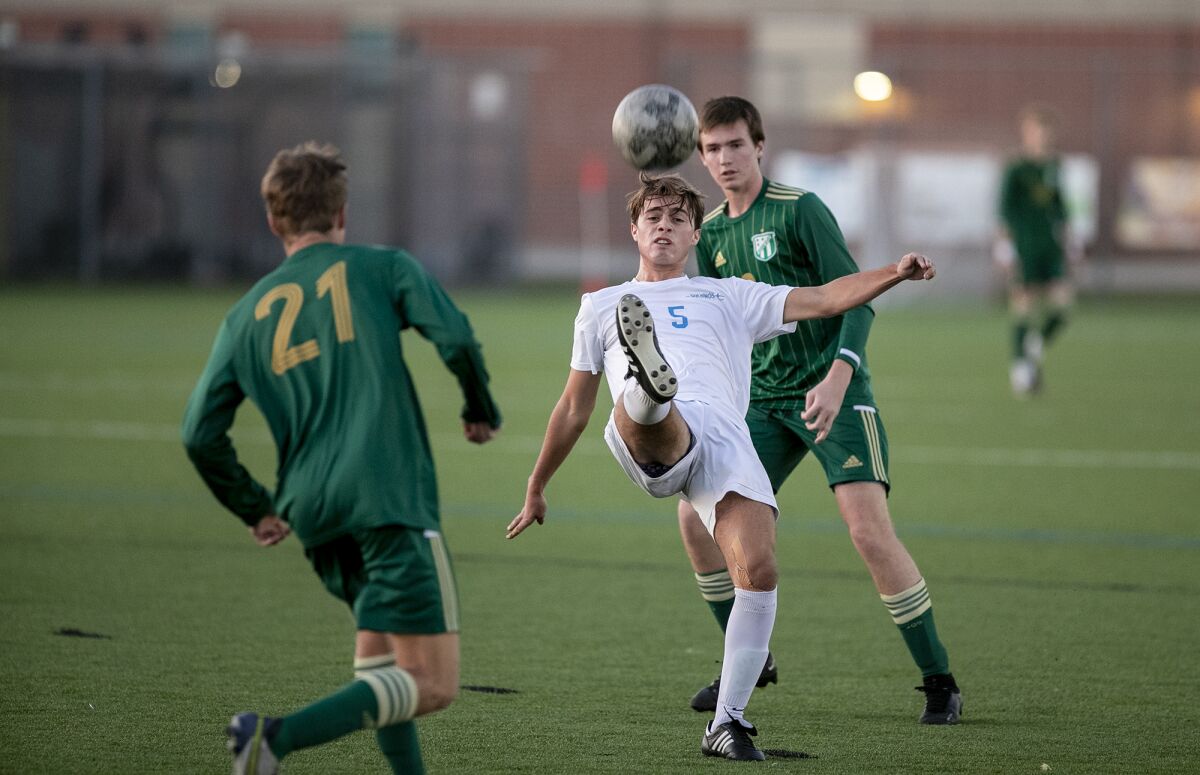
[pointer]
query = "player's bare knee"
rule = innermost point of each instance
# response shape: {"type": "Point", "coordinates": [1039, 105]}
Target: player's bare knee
{"type": "Point", "coordinates": [757, 577]}
{"type": "Point", "coordinates": [436, 695]}
{"type": "Point", "coordinates": [872, 537]}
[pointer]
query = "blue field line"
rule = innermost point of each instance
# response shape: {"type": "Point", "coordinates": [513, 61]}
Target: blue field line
{"type": "Point", "coordinates": [10, 492]}
{"type": "Point", "coordinates": [833, 525]}
{"type": "Point", "coordinates": [527, 446]}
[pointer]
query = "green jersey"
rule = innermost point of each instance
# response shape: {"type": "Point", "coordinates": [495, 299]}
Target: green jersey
{"type": "Point", "coordinates": [789, 237]}
{"type": "Point", "coordinates": [1031, 206]}
{"type": "Point", "coordinates": [316, 346]}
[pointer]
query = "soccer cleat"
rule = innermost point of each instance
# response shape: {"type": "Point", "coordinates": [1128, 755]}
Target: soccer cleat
{"type": "Point", "coordinates": [731, 740]}
{"type": "Point", "coordinates": [1025, 377]}
{"type": "Point", "coordinates": [635, 330]}
{"type": "Point", "coordinates": [248, 734]}
{"type": "Point", "coordinates": [705, 700]}
{"type": "Point", "coordinates": [943, 700]}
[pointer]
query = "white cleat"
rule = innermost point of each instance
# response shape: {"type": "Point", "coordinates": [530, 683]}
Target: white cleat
{"type": "Point", "coordinates": [1024, 377]}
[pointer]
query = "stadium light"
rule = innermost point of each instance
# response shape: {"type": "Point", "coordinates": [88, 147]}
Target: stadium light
{"type": "Point", "coordinates": [227, 73]}
{"type": "Point", "coordinates": [872, 86]}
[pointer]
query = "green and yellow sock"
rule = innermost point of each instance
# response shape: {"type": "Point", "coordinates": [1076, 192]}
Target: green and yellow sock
{"type": "Point", "coordinates": [1020, 329]}
{"type": "Point", "coordinates": [401, 748]}
{"type": "Point", "coordinates": [717, 590]}
{"type": "Point", "coordinates": [398, 742]}
{"type": "Point", "coordinates": [377, 698]}
{"type": "Point", "coordinates": [912, 612]}
{"type": "Point", "coordinates": [1053, 324]}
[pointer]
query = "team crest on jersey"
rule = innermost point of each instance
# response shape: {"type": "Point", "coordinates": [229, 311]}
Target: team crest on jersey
{"type": "Point", "coordinates": [719, 261]}
{"type": "Point", "coordinates": [764, 245]}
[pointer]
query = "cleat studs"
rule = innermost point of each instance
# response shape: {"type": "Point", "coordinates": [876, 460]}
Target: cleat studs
{"type": "Point", "coordinates": [672, 380]}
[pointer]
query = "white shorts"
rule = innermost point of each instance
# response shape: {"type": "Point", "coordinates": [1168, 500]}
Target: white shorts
{"type": "Point", "coordinates": [722, 461]}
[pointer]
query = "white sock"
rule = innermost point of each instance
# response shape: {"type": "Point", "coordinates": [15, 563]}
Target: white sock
{"type": "Point", "coordinates": [747, 640]}
{"type": "Point", "coordinates": [642, 409]}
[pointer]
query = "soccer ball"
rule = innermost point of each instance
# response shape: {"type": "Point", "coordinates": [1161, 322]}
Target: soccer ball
{"type": "Point", "coordinates": [655, 127]}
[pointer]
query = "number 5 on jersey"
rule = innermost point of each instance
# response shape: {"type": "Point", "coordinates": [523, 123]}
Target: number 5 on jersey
{"type": "Point", "coordinates": [332, 282]}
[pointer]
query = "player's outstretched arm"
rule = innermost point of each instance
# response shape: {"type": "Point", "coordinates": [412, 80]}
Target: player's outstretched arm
{"type": "Point", "coordinates": [853, 290]}
{"type": "Point", "coordinates": [567, 422]}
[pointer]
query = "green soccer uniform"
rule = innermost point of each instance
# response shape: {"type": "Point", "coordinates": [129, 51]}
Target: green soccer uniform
{"type": "Point", "coordinates": [789, 237]}
{"type": "Point", "coordinates": [315, 345]}
{"type": "Point", "coordinates": [1031, 206]}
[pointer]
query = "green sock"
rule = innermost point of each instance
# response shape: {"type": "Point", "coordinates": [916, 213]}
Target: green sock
{"type": "Point", "coordinates": [377, 698]}
{"type": "Point", "coordinates": [913, 614]}
{"type": "Point", "coordinates": [327, 719]}
{"type": "Point", "coordinates": [1020, 329]}
{"type": "Point", "coordinates": [1054, 322]}
{"type": "Point", "coordinates": [717, 590]}
{"type": "Point", "coordinates": [920, 635]}
{"type": "Point", "coordinates": [400, 745]}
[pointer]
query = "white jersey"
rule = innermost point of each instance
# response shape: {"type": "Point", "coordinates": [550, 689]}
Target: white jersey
{"type": "Point", "coordinates": [706, 328]}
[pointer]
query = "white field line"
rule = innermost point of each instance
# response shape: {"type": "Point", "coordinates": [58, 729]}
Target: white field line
{"type": "Point", "coordinates": [102, 430]}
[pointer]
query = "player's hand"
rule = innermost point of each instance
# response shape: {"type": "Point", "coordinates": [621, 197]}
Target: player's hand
{"type": "Point", "coordinates": [915, 266]}
{"type": "Point", "coordinates": [824, 401]}
{"type": "Point", "coordinates": [1073, 248]}
{"type": "Point", "coordinates": [1003, 253]}
{"type": "Point", "coordinates": [270, 530]}
{"type": "Point", "coordinates": [479, 432]}
{"type": "Point", "coordinates": [534, 511]}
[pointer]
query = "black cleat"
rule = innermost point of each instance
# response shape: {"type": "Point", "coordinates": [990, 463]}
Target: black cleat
{"type": "Point", "coordinates": [943, 700]}
{"type": "Point", "coordinates": [731, 740]}
{"type": "Point", "coordinates": [635, 330]}
{"type": "Point", "coordinates": [705, 700]}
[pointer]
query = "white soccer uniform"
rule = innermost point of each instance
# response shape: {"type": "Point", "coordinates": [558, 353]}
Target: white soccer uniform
{"type": "Point", "coordinates": [706, 328]}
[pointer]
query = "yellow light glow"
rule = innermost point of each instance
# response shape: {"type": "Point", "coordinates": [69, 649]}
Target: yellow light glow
{"type": "Point", "coordinates": [872, 86]}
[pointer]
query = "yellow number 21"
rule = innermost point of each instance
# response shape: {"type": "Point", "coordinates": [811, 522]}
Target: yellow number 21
{"type": "Point", "coordinates": [332, 282]}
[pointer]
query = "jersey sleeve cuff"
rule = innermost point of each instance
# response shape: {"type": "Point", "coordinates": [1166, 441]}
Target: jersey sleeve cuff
{"type": "Point", "coordinates": [851, 357]}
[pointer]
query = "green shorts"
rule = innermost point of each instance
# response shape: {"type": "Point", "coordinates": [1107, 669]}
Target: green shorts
{"type": "Point", "coordinates": [396, 579]}
{"type": "Point", "coordinates": [1040, 267]}
{"type": "Point", "coordinates": [856, 449]}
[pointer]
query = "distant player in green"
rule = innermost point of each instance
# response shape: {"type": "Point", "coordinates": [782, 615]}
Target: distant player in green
{"type": "Point", "coordinates": [316, 346]}
{"type": "Point", "coordinates": [811, 391]}
{"type": "Point", "coordinates": [1034, 242]}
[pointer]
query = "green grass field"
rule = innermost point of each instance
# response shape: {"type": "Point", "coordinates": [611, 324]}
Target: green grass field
{"type": "Point", "coordinates": [1059, 538]}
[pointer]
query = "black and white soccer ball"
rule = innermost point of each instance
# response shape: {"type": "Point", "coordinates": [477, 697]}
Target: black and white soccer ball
{"type": "Point", "coordinates": [655, 127]}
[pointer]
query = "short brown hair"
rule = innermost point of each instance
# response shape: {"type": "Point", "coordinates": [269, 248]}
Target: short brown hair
{"type": "Point", "coordinates": [304, 188]}
{"type": "Point", "coordinates": [724, 111]}
{"type": "Point", "coordinates": [1041, 113]}
{"type": "Point", "coordinates": [672, 188]}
